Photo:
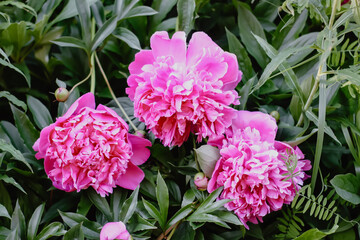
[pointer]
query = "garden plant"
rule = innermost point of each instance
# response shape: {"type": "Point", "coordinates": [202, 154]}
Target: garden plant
{"type": "Point", "coordinates": [180, 119]}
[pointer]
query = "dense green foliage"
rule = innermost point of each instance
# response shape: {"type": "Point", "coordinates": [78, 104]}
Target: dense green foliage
{"type": "Point", "coordinates": [300, 59]}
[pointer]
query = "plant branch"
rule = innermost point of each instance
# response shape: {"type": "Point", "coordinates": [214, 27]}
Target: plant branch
{"type": "Point", "coordinates": [112, 93]}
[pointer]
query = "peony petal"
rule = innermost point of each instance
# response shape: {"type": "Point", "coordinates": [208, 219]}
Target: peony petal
{"type": "Point", "coordinates": [132, 178]}
{"type": "Point", "coordinates": [233, 75]}
{"type": "Point", "coordinates": [86, 100]}
{"type": "Point", "coordinates": [114, 114]}
{"type": "Point", "coordinates": [114, 230]}
{"type": "Point", "coordinates": [140, 152]}
{"type": "Point", "coordinates": [264, 123]}
{"type": "Point", "coordinates": [162, 46]}
{"type": "Point", "coordinates": [43, 142]}
{"type": "Point", "coordinates": [142, 58]}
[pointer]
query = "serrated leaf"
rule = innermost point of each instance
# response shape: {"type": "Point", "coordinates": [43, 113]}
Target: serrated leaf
{"type": "Point", "coordinates": [13, 99]}
{"type": "Point", "coordinates": [40, 113]}
{"type": "Point", "coordinates": [129, 206]}
{"type": "Point", "coordinates": [34, 222]}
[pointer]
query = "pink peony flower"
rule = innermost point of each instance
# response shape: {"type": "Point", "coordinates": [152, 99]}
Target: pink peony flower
{"type": "Point", "coordinates": [252, 168]}
{"type": "Point", "coordinates": [178, 89]}
{"type": "Point", "coordinates": [91, 147]}
{"type": "Point", "coordinates": [114, 230]}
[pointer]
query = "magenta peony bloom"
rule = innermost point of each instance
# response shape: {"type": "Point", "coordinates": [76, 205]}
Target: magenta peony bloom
{"type": "Point", "coordinates": [178, 89]}
{"type": "Point", "coordinates": [252, 168]}
{"type": "Point", "coordinates": [91, 147]}
{"type": "Point", "coordinates": [114, 230]}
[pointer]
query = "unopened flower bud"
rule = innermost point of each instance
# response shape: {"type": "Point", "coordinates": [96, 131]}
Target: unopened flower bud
{"type": "Point", "coordinates": [275, 115]}
{"type": "Point", "coordinates": [61, 94]}
{"type": "Point", "coordinates": [140, 133]}
{"type": "Point", "coordinates": [201, 181]}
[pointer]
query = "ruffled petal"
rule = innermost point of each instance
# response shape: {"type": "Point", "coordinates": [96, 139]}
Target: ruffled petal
{"type": "Point", "coordinates": [140, 152]}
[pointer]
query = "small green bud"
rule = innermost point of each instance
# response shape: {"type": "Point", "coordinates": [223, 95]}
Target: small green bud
{"type": "Point", "coordinates": [61, 94]}
{"type": "Point", "coordinates": [276, 115]}
{"type": "Point", "coordinates": [140, 133]}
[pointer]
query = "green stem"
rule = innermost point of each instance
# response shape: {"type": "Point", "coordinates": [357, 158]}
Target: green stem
{"type": "Point", "coordinates": [82, 81]}
{"type": "Point", "coordinates": [92, 60]}
{"type": "Point", "coordinates": [112, 93]}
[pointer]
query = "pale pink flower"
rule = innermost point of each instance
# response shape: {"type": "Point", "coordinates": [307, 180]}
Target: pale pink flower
{"type": "Point", "coordinates": [91, 147]}
{"type": "Point", "coordinates": [252, 168]}
{"type": "Point", "coordinates": [201, 181]}
{"type": "Point", "coordinates": [178, 89]}
{"type": "Point", "coordinates": [114, 230]}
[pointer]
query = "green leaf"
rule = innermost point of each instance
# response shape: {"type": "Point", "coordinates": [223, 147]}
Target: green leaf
{"type": "Point", "coordinates": [121, 9]}
{"type": "Point", "coordinates": [70, 42]}
{"type": "Point", "coordinates": [100, 203]}
{"type": "Point", "coordinates": [90, 229]}
{"type": "Point", "coordinates": [13, 99]}
{"type": "Point", "coordinates": [128, 37]}
{"type": "Point", "coordinates": [129, 206]}
{"type": "Point", "coordinates": [347, 186]}
{"type": "Point", "coordinates": [26, 129]}
{"type": "Point", "coordinates": [20, 5]}
{"type": "Point", "coordinates": [180, 215]}
{"type": "Point", "coordinates": [4, 212]}
{"type": "Point", "coordinates": [53, 229]}
{"type": "Point", "coordinates": [238, 49]}
{"type": "Point", "coordinates": [162, 196]}
{"type": "Point", "coordinates": [34, 222]}
{"type": "Point", "coordinates": [162, 8]}
{"type": "Point", "coordinates": [116, 202]}
{"type": "Point", "coordinates": [140, 224]}
{"type": "Point", "coordinates": [69, 11]}
{"type": "Point", "coordinates": [312, 117]}
{"type": "Point", "coordinates": [249, 25]}
{"type": "Point", "coordinates": [184, 232]}
{"type": "Point", "coordinates": [189, 197]}
{"type": "Point", "coordinates": [316, 234]}
{"type": "Point", "coordinates": [24, 69]}
{"type": "Point", "coordinates": [84, 205]}
{"type": "Point", "coordinates": [207, 156]}
{"type": "Point", "coordinates": [8, 64]}
{"type": "Point", "coordinates": [83, 9]}
{"type": "Point", "coordinates": [278, 60]}
{"type": "Point", "coordinates": [140, 11]}
{"type": "Point", "coordinates": [186, 13]}
{"type": "Point", "coordinates": [40, 113]}
{"type": "Point", "coordinates": [75, 233]}
{"type": "Point", "coordinates": [18, 221]}
{"type": "Point", "coordinates": [151, 209]}
{"type": "Point", "coordinates": [4, 146]}
{"type": "Point", "coordinates": [12, 181]}
{"type": "Point", "coordinates": [14, 135]}
{"type": "Point", "coordinates": [106, 29]}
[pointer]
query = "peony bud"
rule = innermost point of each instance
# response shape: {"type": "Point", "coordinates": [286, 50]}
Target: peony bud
{"type": "Point", "coordinates": [207, 157]}
{"type": "Point", "coordinates": [201, 181]}
{"type": "Point", "coordinates": [275, 115]}
{"type": "Point", "coordinates": [114, 230]}
{"type": "Point", "coordinates": [61, 94]}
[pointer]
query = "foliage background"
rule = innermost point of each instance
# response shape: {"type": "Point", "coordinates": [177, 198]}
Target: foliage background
{"type": "Point", "coordinates": [300, 60]}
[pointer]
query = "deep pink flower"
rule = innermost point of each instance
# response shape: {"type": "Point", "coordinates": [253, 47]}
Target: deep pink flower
{"type": "Point", "coordinates": [252, 168]}
{"type": "Point", "coordinates": [178, 89]}
{"type": "Point", "coordinates": [91, 147]}
{"type": "Point", "coordinates": [114, 230]}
